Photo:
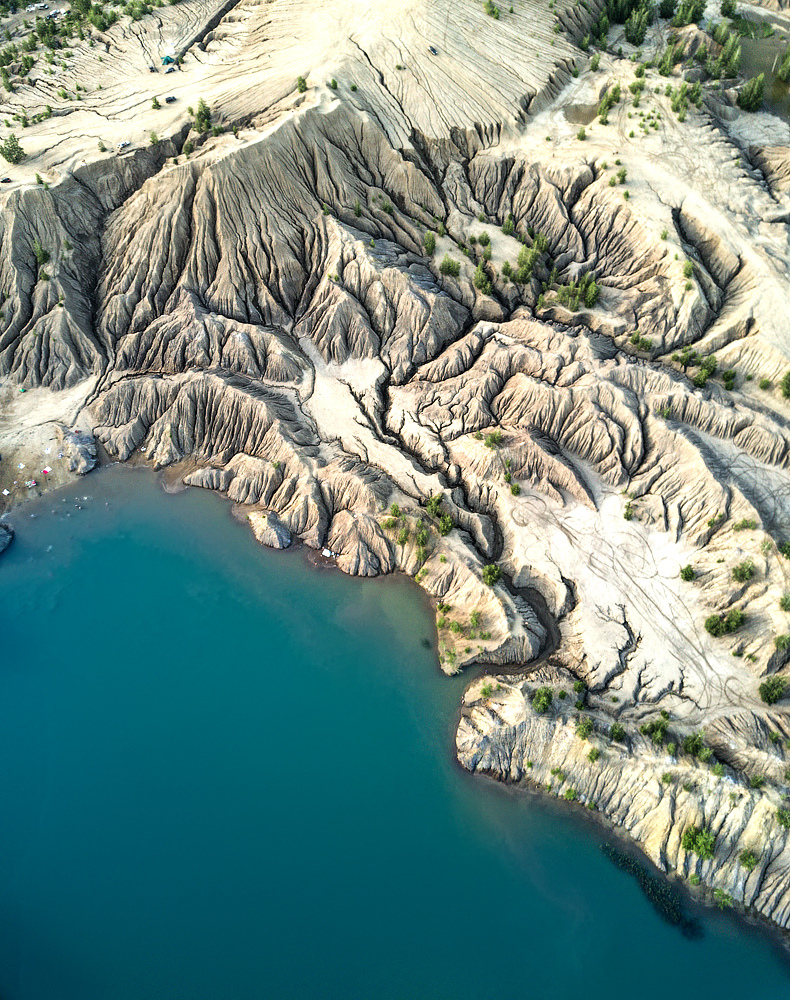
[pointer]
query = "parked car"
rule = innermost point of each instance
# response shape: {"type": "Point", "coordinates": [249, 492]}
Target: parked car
{"type": "Point", "coordinates": [152, 69]}
{"type": "Point", "coordinates": [170, 69]}
{"type": "Point", "coordinates": [124, 144]}
{"type": "Point", "coordinates": [170, 100]}
{"type": "Point", "coordinates": [432, 50]}
{"type": "Point", "coordinates": [5, 180]}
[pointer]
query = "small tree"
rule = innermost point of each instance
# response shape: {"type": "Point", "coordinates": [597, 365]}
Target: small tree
{"type": "Point", "coordinates": [202, 116]}
{"type": "Point", "coordinates": [301, 84]}
{"type": "Point", "coordinates": [429, 243]}
{"type": "Point", "coordinates": [153, 138]}
{"type": "Point", "coordinates": [42, 255]}
{"type": "Point", "coordinates": [11, 151]}
{"type": "Point", "coordinates": [542, 699]}
{"type": "Point", "coordinates": [728, 8]}
{"type": "Point", "coordinates": [155, 104]}
{"type": "Point", "coordinates": [481, 280]}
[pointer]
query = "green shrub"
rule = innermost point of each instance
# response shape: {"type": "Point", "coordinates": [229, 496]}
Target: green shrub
{"type": "Point", "coordinates": [748, 859]}
{"type": "Point", "coordinates": [617, 732]}
{"type": "Point", "coordinates": [785, 385]}
{"type": "Point", "coordinates": [719, 625]}
{"type": "Point", "coordinates": [595, 62]}
{"type": "Point", "coordinates": [784, 602]}
{"type": "Point", "coordinates": [772, 689]}
{"type": "Point", "coordinates": [486, 690]}
{"type": "Point", "coordinates": [764, 383]}
{"type": "Point", "coordinates": [656, 729]}
{"type": "Point", "coordinates": [757, 781]}
{"type": "Point", "coordinates": [542, 699]}
{"type": "Point", "coordinates": [688, 573]}
{"type": "Point", "coordinates": [783, 818]}
{"type": "Point", "coordinates": [593, 755]}
{"type": "Point", "coordinates": [694, 743]}
{"type": "Point", "coordinates": [449, 267]}
{"type": "Point", "coordinates": [493, 440]}
{"type": "Point", "coordinates": [492, 574]}
{"type": "Point", "coordinates": [301, 84]}
{"type": "Point", "coordinates": [584, 727]}
{"type": "Point", "coordinates": [723, 899]}
{"type": "Point", "coordinates": [666, 777]}
{"type": "Point", "coordinates": [700, 841]}
{"type": "Point", "coordinates": [429, 242]}
{"type": "Point", "coordinates": [744, 571]}
{"type": "Point", "coordinates": [782, 642]}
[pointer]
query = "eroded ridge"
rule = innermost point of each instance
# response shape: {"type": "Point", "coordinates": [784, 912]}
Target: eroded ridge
{"type": "Point", "coordinates": [380, 291]}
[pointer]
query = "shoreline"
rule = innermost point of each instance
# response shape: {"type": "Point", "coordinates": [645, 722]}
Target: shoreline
{"type": "Point", "coordinates": [700, 896]}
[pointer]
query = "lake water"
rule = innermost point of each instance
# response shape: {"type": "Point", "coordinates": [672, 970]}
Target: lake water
{"type": "Point", "coordinates": [227, 775]}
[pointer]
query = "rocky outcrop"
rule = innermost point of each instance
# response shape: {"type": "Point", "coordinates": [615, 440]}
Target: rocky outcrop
{"type": "Point", "coordinates": [269, 530]}
{"type": "Point", "coordinates": [656, 791]}
{"type": "Point", "coordinates": [78, 448]}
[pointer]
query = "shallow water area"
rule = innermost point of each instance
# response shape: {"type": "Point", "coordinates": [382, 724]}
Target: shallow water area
{"type": "Point", "coordinates": [764, 55]}
{"type": "Point", "coordinates": [580, 114]}
{"type": "Point", "coordinates": [228, 774]}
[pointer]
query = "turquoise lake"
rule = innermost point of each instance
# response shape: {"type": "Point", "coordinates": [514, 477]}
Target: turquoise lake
{"type": "Point", "coordinates": [227, 774]}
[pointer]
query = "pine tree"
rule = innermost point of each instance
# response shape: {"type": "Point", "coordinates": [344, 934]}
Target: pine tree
{"type": "Point", "coordinates": [751, 97]}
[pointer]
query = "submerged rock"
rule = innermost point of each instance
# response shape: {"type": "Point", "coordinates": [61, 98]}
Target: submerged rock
{"type": "Point", "coordinates": [6, 536]}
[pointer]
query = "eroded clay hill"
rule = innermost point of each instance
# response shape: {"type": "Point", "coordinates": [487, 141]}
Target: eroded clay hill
{"type": "Point", "coordinates": [414, 278]}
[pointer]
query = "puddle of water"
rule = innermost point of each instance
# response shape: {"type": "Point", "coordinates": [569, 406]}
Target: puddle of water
{"type": "Point", "coordinates": [580, 114]}
{"type": "Point", "coordinates": [764, 55]}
